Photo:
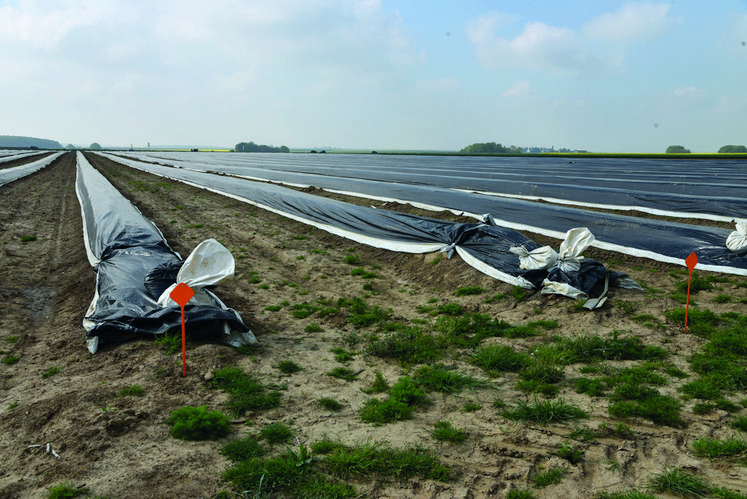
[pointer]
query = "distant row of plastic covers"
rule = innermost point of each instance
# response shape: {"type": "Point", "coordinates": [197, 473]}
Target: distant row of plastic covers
{"type": "Point", "coordinates": [8, 175]}
{"type": "Point", "coordinates": [641, 237]}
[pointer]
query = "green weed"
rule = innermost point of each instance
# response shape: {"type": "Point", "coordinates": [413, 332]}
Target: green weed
{"type": "Point", "coordinates": [276, 433]}
{"type": "Point", "coordinates": [440, 378]}
{"type": "Point", "coordinates": [245, 393]}
{"type": "Point", "coordinates": [242, 449]}
{"type": "Point", "coordinates": [679, 482]}
{"type": "Point", "coordinates": [470, 290]}
{"type": "Point", "coordinates": [289, 367]}
{"type": "Point", "coordinates": [11, 359]}
{"type": "Point", "coordinates": [545, 412]}
{"type": "Point", "coordinates": [330, 404]}
{"type": "Point", "coordinates": [51, 372]}
{"type": "Point", "coordinates": [132, 391]}
{"type": "Point", "coordinates": [343, 373]}
{"type": "Point", "coordinates": [498, 358]}
{"type": "Point", "coordinates": [715, 448]}
{"type": "Point", "coordinates": [553, 476]}
{"type": "Point", "coordinates": [445, 432]}
{"type": "Point", "coordinates": [197, 423]}
{"type": "Point", "coordinates": [570, 453]}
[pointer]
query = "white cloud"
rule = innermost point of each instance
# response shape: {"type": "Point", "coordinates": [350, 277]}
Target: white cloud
{"type": "Point", "coordinates": [538, 46]}
{"type": "Point", "coordinates": [632, 22]}
{"type": "Point", "coordinates": [520, 88]}
{"type": "Point", "coordinates": [688, 92]}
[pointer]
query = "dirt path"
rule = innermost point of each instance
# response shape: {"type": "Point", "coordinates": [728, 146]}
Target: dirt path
{"type": "Point", "coordinates": [120, 446]}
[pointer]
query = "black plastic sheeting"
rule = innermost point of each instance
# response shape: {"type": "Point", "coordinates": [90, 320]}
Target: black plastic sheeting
{"type": "Point", "coordinates": [659, 240]}
{"type": "Point", "coordinates": [485, 247]}
{"type": "Point", "coordinates": [711, 189]}
{"type": "Point", "coordinates": [8, 175]}
{"type": "Point", "coordinates": [126, 249]}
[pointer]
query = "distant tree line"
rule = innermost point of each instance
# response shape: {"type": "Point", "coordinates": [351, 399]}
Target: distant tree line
{"type": "Point", "coordinates": [25, 142]}
{"type": "Point", "coordinates": [733, 149]}
{"type": "Point", "coordinates": [722, 150]}
{"type": "Point", "coordinates": [489, 148]}
{"type": "Point", "coordinates": [252, 147]}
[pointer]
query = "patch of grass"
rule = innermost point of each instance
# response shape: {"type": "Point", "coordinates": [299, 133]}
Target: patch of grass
{"type": "Point", "coordinates": [519, 294]}
{"type": "Point", "coordinates": [721, 299]}
{"type": "Point", "coordinates": [498, 358]}
{"type": "Point", "coordinates": [351, 259]}
{"type": "Point", "coordinates": [343, 373]}
{"type": "Point", "coordinates": [198, 423]}
{"type": "Point", "coordinates": [379, 384]}
{"type": "Point", "coordinates": [570, 453]}
{"type": "Point", "coordinates": [553, 476]}
{"type": "Point", "coordinates": [408, 344]}
{"type": "Point", "coordinates": [12, 338]}
{"type": "Point", "coordinates": [65, 490]}
{"type": "Point", "coordinates": [134, 390]}
{"type": "Point", "coordinates": [363, 273]}
{"type": "Point", "coordinates": [342, 355]}
{"type": "Point", "coordinates": [51, 372]}
{"type": "Point", "coordinates": [171, 343]}
{"type": "Point", "coordinates": [330, 404]}
{"type": "Point", "coordinates": [11, 359]}
{"type": "Point", "coordinates": [28, 239]}
{"type": "Point", "coordinates": [361, 314]}
{"type": "Point", "coordinates": [740, 423]}
{"type": "Point", "coordinates": [276, 433]}
{"type": "Point", "coordinates": [313, 328]}
{"type": "Point", "coordinates": [595, 348]}
{"type": "Point", "coordinates": [445, 432]}
{"type": "Point", "coordinates": [715, 448]}
{"type": "Point", "coordinates": [304, 310]}
{"type": "Point", "coordinates": [289, 367]}
{"type": "Point", "coordinates": [404, 396]}
{"type": "Point", "coordinates": [545, 412]}
{"type": "Point", "coordinates": [469, 290]}
{"type": "Point", "coordinates": [242, 449]}
{"type": "Point", "coordinates": [245, 393]}
{"type": "Point", "coordinates": [440, 378]}
{"type": "Point", "coordinates": [372, 459]}
{"type": "Point", "coordinates": [680, 483]}
{"type": "Point", "coordinates": [452, 309]}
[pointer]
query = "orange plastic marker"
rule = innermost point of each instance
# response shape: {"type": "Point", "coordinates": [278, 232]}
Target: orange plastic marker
{"type": "Point", "coordinates": [181, 295]}
{"type": "Point", "coordinates": [691, 262]}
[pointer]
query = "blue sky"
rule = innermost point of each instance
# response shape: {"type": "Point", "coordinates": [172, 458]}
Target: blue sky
{"type": "Point", "coordinates": [599, 75]}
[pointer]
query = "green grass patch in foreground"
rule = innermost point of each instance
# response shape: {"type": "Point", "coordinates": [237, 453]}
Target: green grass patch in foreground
{"type": "Point", "coordinates": [715, 448]}
{"type": "Point", "coordinates": [680, 483]}
{"type": "Point", "coordinates": [316, 472]}
{"type": "Point", "coordinates": [545, 412]}
{"type": "Point", "coordinates": [245, 393]}
{"type": "Point", "coordinates": [404, 396]}
{"type": "Point", "coordinates": [445, 432]}
{"type": "Point", "coordinates": [197, 423]}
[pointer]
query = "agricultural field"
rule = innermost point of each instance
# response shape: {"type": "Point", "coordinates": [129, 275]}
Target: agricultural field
{"type": "Point", "coordinates": [376, 374]}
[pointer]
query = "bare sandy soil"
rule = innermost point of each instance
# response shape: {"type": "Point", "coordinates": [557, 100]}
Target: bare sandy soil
{"type": "Point", "coordinates": [120, 446]}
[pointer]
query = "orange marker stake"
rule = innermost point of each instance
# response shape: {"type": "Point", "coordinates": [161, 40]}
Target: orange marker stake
{"type": "Point", "coordinates": [691, 262]}
{"type": "Point", "coordinates": [181, 295]}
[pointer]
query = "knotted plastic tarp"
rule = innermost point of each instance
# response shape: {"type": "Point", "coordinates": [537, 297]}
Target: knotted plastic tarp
{"type": "Point", "coordinates": [134, 265]}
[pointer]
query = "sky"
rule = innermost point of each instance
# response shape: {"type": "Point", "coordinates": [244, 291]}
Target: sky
{"type": "Point", "coordinates": [598, 75]}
